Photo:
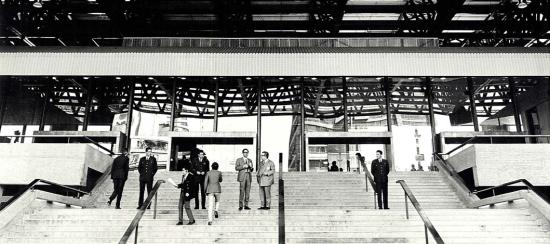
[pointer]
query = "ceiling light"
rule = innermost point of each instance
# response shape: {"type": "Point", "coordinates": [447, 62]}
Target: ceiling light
{"type": "Point", "coordinates": [314, 78]}
{"type": "Point", "coordinates": [281, 78]}
{"type": "Point", "coordinates": [411, 78]}
{"type": "Point", "coordinates": [378, 78]}
{"type": "Point", "coordinates": [523, 3]}
{"type": "Point", "coordinates": [443, 78]}
{"type": "Point", "coordinates": [183, 78]}
{"type": "Point", "coordinates": [150, 78]}
{"type": "Point", "coordinates": [37, 4]}
{"type": "Point", "coordinates": [86, 77]}
{"type": "Point", "coordinates": [248, 78]}
{"type": "Point", "coordinates": [118, 78]}
{"type": "Point", "coordinates": [215, 78]}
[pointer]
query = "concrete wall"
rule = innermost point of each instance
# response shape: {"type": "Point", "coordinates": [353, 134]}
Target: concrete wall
{"type": "Point", "coordinates": [495, 164]}
{"type": "Point", "coordinates": [61, 163]}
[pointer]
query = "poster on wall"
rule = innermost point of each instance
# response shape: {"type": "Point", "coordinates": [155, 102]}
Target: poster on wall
{"type": "Point", "coordinates": [159, 145]}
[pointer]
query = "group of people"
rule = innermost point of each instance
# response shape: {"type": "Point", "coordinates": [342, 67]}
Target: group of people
{"type": "Point", "coordinates": [197, 177]}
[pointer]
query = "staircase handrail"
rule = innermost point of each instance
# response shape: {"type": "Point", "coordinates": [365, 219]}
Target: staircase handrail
{"type": "Point", "coordinates": [134, 225]}
{"type": "Point", "coordinates": [525, 182]}
{"type": "Point", "coordinates": [427, 223]}
{"type": "Point", "coordinates": [490, 136]}
{"type": "Point", "coordinates": [370, 179]}
{"type": "Point", "coordinates": [33, 183]}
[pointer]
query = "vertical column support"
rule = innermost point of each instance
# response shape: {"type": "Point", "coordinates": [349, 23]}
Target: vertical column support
{"type": "Point", "coordinates": [302, 127]}
{"type": "Point", "coordinates": [345, 104]}
{"type": "Point", "coordinates": [45, 100]}
{"type": "Point", "coordinates": [174, 105]}
{"type": "Point", "coordinates": [216, 104]}
{"type": "Point", "coordinates": [131, 88]}
{"type": "Point", "coordinates": [88, 108]}
{"type": "Point", "coordinates": [387, 92]}
{"type": "Point", "coordinates": [512, 87]}
{"type": "Point", "coordinates": [429, 95]}
{"type": "Point", "coordinates": [4, 85]}
{"type": "Point", "coordinates": [471, 94]}
{"type": "Point", "coordinates": [259, 123]}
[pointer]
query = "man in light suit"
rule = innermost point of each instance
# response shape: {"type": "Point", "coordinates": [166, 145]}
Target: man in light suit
{"type": "Point", "coordinates": [245, 168]}
{"type": "Point", "coordinates": [380, 168]}
{"type": "Point", "coordinates": [147, 169]}
{"type": "Point", "coordinates": [265, 180]}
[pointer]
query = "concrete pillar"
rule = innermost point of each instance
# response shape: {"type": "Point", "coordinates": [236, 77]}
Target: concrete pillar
{"type": "Point", "coordinates": [387, 91]}
{"type": "Point", "coordinates": [88, 106]}
{"type": "Point", "coordinates": [303, 150]}
{"type": "Point", "coordinates": [216, 104]}
{"type": "Point", "coordinates": [45, 100]}
{"type": "Point", "coordinates": [345, 103]}
{"type": "Point", "coordinates": [259, 124]}
{"type": "Point", "coordinates": [4, 85]}
{"type": "Point", "coordinates": [131, 88]}
{"type": "Point", "coordinates": [429, 95]}
{"type": "Point", "coordinates": [513, 98]}
{"type": "Point", "coordinates": [174, 104]}
{"type": "Point", "coordinates": [472, 99]}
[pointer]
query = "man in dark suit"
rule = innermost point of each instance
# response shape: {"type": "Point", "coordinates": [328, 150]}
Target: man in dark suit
{"type": "Point", "coordinates": [380, 168]}
{"type": "Point", "coordinates": [188, 187]}
{"type": "Point", "coordinates": [245, 168]}
{"type": "Point", "coordinates": [147, 169]}
{"type": "Point", "coordinates": [119, 174]}
{"type": "Point", "coordinates": [199, 166]}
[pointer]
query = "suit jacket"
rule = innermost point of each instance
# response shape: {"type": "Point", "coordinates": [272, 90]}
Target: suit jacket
{"type": "Point", "coordinates": [181, 163]}
{"type": "Point", "coordinates": [265, 173]}
{"type": "Point", "coordinates": [212, 181]}
{"type": "Point", "coordinates": [243, 172]}
{"type": "Point", "coordinates": [120, 167]}
{"type": "Point", "coordinates": [188, 187]}
{"type": "Point", "coordinates": [147, 168]}
{"type": "Point", "coordinates": [380, 170]}
{"type": "Point", "coordinates": [197, 166]}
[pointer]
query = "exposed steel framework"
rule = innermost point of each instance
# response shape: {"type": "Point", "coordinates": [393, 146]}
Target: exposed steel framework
{"type": "Point", "coordinates": [108, 22]}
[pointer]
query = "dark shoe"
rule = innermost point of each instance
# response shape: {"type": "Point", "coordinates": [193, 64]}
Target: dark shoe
{"type": "Point", "coordinates": [240, 208]}
{"type": "Point", "coordinates": [149, 207]}
{"type": "Point", "coordinates": [117, 207]}
{"type": "Point", "coordinates": [266, 208]}
{"type": "Point", "coordinates": [262, 208]}
{"type": "Point", "coordinates": [209, 223]}
{"type": "Point", "coordinates": [386, 208]}
{"type": "Point", "coordinates": [203, 207]}
{"type": "Point", "coordinates": [197, 207]}
{"type": "Point", "coordinates": [138, 207]}
{"type": "Point", "coordinates": [179, 223]}
{"type": "Point", "coordinates": [191, 223]}
{"type": "Point", "coordinates": [109, 202]}
{"type": "Point", "coordinates": [246, 208]}
{"type": "Point", "coordinates": [216, 214]}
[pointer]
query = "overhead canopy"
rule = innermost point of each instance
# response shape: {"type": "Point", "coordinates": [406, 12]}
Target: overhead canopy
{"type": "Point", "coordinates": [276, 61]}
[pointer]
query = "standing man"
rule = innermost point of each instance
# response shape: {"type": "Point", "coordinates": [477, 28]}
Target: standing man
{"type": "Point", "coordinates": [187, 193]}
{"type": "Point", "coordinates": [200, 165]}
{"type": "Point", "coordinates": [380, 168]}
{"type": "Point", "coordinates": [265, 180]}
{"type": "Point", "coordinates": [213, 190]}
{"type": "Point", "coordinates": [119, 174]}
{"type": "Point", "coordinates": [147, 169]}
{"type": "Point", "coordinates": [245, 168]}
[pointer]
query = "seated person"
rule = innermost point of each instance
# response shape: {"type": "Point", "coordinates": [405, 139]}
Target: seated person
{"type": "Point", "coordinates": [334, 167]}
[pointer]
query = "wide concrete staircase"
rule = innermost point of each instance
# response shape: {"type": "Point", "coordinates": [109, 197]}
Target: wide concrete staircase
{"type": "Point", "coordinates": [334, 207]}
{"type": "Point", "coordinates": [106, 225]}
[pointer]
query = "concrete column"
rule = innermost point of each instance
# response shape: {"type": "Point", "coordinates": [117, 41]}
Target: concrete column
{"type": "Point", "coordinates": [345, 103]}
{"type": "Point", "coordinates": [472, 99]}
{"type": "Point", "coordinates": [303, 150]}
{"type": "Point", "coordinates": [88, 106]}
{"type": "Point", "coordinates": [174, 104]}
{"type": "Point", "coordinates": [4, 85]}
{"type": "Point", "coordinates": [259, 124]}
{"type": "Point", "coordinates": [512, 87]}
{"type": "Point", "coordinates": [45, 100]}
{"type": "Point", "coordinates": [387, 91]}
{"type": "Point", "coordinates": [429, 95]}
{"type": "Point", "coordinates": [131, 88]}
{"type": "Point", "coordinates": [216, 104]}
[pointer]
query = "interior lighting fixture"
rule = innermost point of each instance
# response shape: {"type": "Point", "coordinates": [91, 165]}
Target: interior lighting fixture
{"type": "Point", "coordinates": [523, 3]}
{"type": "Point", "coordinates": [183, 78]}
{"type": "Point", "coordinates": [85, 77]}
{"type": "Point", "coordinates": [118, 78]}
{"type": "Point", "coordinates": [248, 78]}
{"type": "Point", "coordinates": [281, 78]}
{"type": "Point", "coordinates": [37, 4]}
{"type": "Point", "coordinates": [314, 78]}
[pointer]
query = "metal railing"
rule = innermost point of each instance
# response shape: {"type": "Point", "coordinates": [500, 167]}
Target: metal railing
{"type": "Point", "coordinates": [32, 185]}
{"type": "Point", "coordinates": [490, 137]}
{"type": "Point", "coordinates": [282, 226]}
{"type": "Point", "coordinates": [427, 223]}
{"type": "Point", "coordinates": [134, 225]}
{"type": "Point", "coordinates": [525, 182]}
{"type": "Point", "coordinates": [87, 138]}
{"type": "Point", "coordinates": [369, 178]}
